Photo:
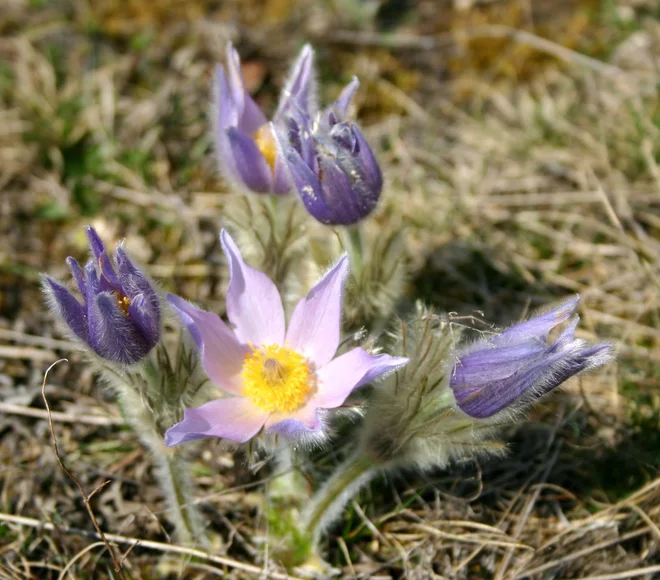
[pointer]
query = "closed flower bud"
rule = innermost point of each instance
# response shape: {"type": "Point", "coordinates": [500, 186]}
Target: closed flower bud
{"type": "Point", "coordinates": [120, 316]}
{"type": "Point", "coordinates": [517, 366]}
{"type": "Point", "coordinates": [331, 164]}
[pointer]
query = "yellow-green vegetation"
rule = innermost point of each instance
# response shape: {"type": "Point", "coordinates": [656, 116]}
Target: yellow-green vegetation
{"type": "Point", "coordinates": [520, 141]}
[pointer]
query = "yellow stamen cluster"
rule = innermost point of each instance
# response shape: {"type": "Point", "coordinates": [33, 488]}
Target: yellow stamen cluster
{"type": "Point", "coordinates": [277, 378]}
{"type": "Point", "coordinates": [266, 144]}
{"type": "Point", "coordinates": [124, 302]}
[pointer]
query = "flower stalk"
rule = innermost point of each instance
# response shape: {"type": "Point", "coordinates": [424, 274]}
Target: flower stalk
{"type": "Point", "coordinates": [344, 483]}
{"type": "Point", "coordinates": [172, 470]}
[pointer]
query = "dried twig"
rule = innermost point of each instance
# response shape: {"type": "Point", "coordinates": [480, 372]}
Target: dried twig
{"type": "Point", "coordinates": [58, 417]}
{"type": "Point", "coordinates": [85, 496]}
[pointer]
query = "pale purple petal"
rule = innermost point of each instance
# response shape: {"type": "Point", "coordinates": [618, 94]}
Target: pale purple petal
{"type": "Point", "coordinates": [299, 90]}
{"type": "Point", "coordinates": [585, 358]}
{"type": "Point", "coordinates": [541, 325]}
{"type": "Point", "coordinates": [222, 354]}
{"type": "Point", "coordinates": [254, 306]}
{"type": "Point", "coordinates": [489, 364]}
{"type": "Point", "coordinates": [567, 337]}
{"type": "Point", "coordinates": [249, 162]}
{"type": "Point", "coordinates": [235, 78]}
{"type": "Point", "coordinates": [350, 371]}
{"type": "Point", "coordinates": [227, 113]}
{"type": "Point", "coordinates": [250, 116]}
{"type": "Point", "coordinates": [530, 382]}
{"type": "Point", "coordinates": [522, 366]}
{"type": "Point", "coordinates": [281, 180]}
{"type": "Point", "coordinates": [314, 329]}
{"type": "Point", "coordinates": [300, 422]}
{"type": "Point", "coordinates": [233, 418]}
{"type": "Point", "coordinates": [372, 175]}
{"type": "Point", "coordinates": [487, 399]}
{"type": "Point", "coordinates": [340, 106]}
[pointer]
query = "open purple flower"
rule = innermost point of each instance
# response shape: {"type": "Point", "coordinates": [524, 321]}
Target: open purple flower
{"type": "Point", "coordinates": [519, 366]}
{"type": "Point", "coordinates": [331, 164]}
{"type": "Point", "coordinates": [245, 146]}
{"type": "Point", "coordinates": [120, 315]}
{"type": "Point", "coordinates": [276, 378]}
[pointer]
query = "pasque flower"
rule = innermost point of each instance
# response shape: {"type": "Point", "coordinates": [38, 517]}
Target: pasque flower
{"type": "Point", "coordinates": [330, 163]}
{"type": "Point", "coordinates": [119, 318]}
{"type": "Point", "coordinates": [245, 147]}
{"type": "Point", "coordinates": [519, 365]}
{"type": "Point", "coordinates": [275, 378]}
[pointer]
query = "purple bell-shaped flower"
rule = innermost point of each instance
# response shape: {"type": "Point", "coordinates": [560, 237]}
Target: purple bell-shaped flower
{"type": "Point", "coordinates": [120, 316]}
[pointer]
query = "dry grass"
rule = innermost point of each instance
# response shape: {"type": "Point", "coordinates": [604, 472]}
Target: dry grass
{"type": "Point", "coordinates": [513, 192]}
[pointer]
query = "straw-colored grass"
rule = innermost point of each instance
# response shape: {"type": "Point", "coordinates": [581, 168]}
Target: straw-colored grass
{"type": "Point", "coordinates": [520, 176]}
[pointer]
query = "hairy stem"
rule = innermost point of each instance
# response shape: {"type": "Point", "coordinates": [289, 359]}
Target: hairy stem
{"type": "Point", "coordinates": [287, 494]}
{"type": "Point", "coordinates": [174, 478]}
{"type": "Point", "coordinates": [328, 501]}
{"type": "Point", "coordinates": [172, 471]}
{"type": "Point", "coordinates": [353, 243]}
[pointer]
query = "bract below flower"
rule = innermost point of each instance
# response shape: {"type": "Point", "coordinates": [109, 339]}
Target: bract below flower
{"type": "Point", "coordinates": [245, 146]}
{"type": "Point", "coordinates": [519, 366]}
{"type": "Point", "coordinates": [275, 378]}
{"type": "Point", "coordinates": [120, 317]}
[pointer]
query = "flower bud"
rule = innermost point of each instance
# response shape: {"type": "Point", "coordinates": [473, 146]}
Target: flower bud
{"type": "Point", "coordinates": [120, 317]}
{"type": "Point", "coordinates": [518, 366]}
{"type": "Point", "coordinates": [331, 164]}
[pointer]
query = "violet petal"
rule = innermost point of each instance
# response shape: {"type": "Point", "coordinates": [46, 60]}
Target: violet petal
{"type": "Point", "coordinates": [233, 418]}
{"type": "Point", "coordinates": [222, 354]}
{"type": "Point", "coordinates": [147, 319]}
{"type": "Point", "coordinates": [315, 325]}
{"type": "Point", "coordinates": [71, 311]}
{"type": "Point", "coordinates": [299, 90]}
{"type": "Point", "coordinates": [300, 422]}
{"type": "Point", "coordinates": [541, 325]}
{"type": "Point", "coordinates": [111, 334]}
{"type": "Point", "coordinates": [350, 371]}
{"type": "Point", "coordinates": [254, 306]}
{"type": "Point", "coordinates": [250, 164]}
{"type": "Point", "coordinates": [95, 242]}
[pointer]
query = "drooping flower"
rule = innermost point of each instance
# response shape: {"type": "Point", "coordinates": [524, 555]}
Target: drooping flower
{"type": "Point", "coordinates": [119, 318]}
{"type": "Point", "coordinates": [244, 141]}
{"type": "Point", "coordinates": [519, 366]}
{"type": "Point", "coordinates": [331, 164]}
{"type": "Point", "coordinates": [276, 378]}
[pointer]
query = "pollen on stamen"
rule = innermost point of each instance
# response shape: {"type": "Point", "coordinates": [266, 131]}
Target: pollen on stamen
{"type": "Point", "coordinates": [277, 378]}
{"type": "Point", "coordinates": [123, 302]}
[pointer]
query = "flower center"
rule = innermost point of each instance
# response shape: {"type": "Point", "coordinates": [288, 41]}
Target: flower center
{"type": "Point", "coordinates": [123, 301]}
{"type": "Point", "coordinates": [277, 378]}
{"type": "Point", "coordinates": [266, 144]}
